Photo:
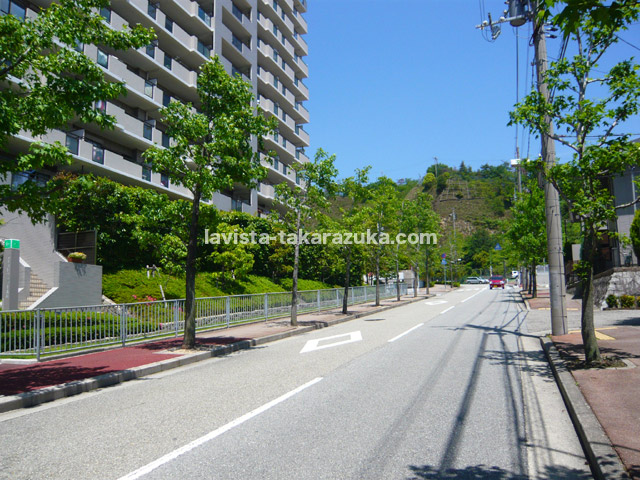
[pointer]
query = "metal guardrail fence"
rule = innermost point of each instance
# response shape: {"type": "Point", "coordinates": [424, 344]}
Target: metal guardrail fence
{"type": "Point", "coordinates": [49, 331]}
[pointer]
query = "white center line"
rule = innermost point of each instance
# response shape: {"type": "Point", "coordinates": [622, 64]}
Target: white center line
{"type": "Point", "coordinates": [445, 311]}
{"type": "Point", "coordinates": [216, 433]}
{"type": "Point", "coordinates": [469, 298]}
{"type": "Point", "coordinates": [403, 334]}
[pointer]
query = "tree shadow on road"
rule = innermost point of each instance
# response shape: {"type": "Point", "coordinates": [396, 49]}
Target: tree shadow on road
{"type": "Point", "coordinates": [484, 472]}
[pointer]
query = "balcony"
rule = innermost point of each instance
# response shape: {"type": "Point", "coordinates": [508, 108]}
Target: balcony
{"type": "Point", "coordinates": [113, 165]}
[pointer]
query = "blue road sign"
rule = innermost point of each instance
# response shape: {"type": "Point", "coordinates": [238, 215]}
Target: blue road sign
{"type": "Point", "coordinates": [498, 247]}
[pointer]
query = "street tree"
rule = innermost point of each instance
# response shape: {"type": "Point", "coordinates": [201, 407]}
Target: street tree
{"type": "Point", "coordinates": [211, 150]}
{"type": "Point", "coordinates": [382, 212]}
{"type": "Point", "coordinates": [46, 82]}
{"type": "Point", "coordinates": [352, 219]}
{"type": "Point", "coordinates": [588, 110]}
{"type": "Point", "coordinates": [527, 229]}
{"type": "Point", "coordinates": [304, 202]}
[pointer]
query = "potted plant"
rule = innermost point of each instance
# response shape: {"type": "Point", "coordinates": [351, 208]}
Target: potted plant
{"type": "Point", "coordinates": [77, 257]}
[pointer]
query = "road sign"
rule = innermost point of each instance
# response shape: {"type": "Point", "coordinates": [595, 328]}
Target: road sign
{"type": "Point", "coordinates": [444, 262]}
{"type": "Point", "coordinates": [498, 247]}
{"type": "Point", "coordinates": [443, 256]}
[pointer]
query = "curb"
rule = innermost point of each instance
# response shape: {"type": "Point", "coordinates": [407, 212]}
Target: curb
{"type": "Point", "coordinates": [56, 392]}
{"type": "Point", "coordinates": [602, 457]}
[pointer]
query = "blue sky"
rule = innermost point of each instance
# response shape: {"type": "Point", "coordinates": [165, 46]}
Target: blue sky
{"type": "Point", "coordinates": [394, 83]}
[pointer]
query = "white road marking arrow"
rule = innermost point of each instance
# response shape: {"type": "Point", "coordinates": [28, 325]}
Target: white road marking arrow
{"type": "Point", "coordinates": [312, 345]}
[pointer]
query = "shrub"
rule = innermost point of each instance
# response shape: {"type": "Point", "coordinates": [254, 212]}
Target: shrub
{"type": "Point", "coordinates": [456, 284]}
{"type": "Point", "coordinates": [432, 284]}
{"type": "Point", "coordinates": [638, 301]}
{"type": "Point", "coordinates": [612, 301]}
{"type": "Point", "coordinates": [627, 301]}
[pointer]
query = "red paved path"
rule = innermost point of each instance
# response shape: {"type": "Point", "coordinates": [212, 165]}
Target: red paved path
{"type": "Point", "coordinates": [614, 394]}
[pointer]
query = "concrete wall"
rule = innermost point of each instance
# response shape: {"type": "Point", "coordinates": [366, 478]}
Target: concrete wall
{"type": "Point", "coordinates": [617, 281]}
{"type": "Point", "coordinates": [37, 243]}
{"type": "Point", "coordinates": [625, 192]}
{"type": "Point", "coordinates": [76, 285]}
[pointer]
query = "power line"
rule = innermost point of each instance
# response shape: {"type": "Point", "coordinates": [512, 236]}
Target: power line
{"type": "Point", "coordinates": [628, 43]}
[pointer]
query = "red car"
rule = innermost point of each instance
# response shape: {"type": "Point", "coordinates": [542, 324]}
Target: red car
{"type": "Point", "coordinates": [497, 282]}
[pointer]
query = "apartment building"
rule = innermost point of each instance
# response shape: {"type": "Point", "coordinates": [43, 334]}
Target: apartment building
{"type": "Point", "coordinates": [262, 40]}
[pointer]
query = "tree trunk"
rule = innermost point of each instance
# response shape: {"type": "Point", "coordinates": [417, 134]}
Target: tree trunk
{"type": "Point", "coordinates": [534, 282]}
{"type": "Point", "coordinates": [345, 297]}
{"type": "Point", "coordinates": [189, 340]}
{"type": "Point", "coordinates": [397, 276]}
{"type": "Point", "coordinates": [294, 285]}
{"type": "Point", "coordinates": [416, 272]}
{"type": "Point", "coordinates": [377, 277]}
{"type": "Point", "coordinates": [427, 280]}
{"type": "Point", "coordinates": [591, 349]}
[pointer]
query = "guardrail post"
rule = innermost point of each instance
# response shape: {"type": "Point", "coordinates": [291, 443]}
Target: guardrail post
{"type": "Point", "coordinates": [228, 313]}
{"type": "Point", "coordinates": [39, 333]}
{"type": "Point", "coordinates": [266, 307]}
{"type": "Point", "coordinates": [123, 325]}
{"type": "Point", "coordinates": [176, 310]}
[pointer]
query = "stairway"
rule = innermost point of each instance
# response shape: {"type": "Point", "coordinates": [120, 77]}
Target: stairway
{"type": "Point", "coordinates": [37, 288]}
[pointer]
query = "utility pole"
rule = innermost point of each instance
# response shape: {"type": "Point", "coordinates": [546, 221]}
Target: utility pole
{"type": "Point", "coordinates": [518, 15]}
{"type": "Point", "coordinates": [551, 197]}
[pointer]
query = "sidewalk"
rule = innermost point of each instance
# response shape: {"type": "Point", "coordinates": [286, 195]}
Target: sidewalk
{"type": "Point", "coordinates": [612, 394]}
{"type": "Point", "coordinates": [25, 385]}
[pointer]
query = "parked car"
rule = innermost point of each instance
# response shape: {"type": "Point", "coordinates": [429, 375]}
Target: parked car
{"type": "Point", "coordinates": [474, 280]}
{"type": "Point", "coordinates": [497, 281]}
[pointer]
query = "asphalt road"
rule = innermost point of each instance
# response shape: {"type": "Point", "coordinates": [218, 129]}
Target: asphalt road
{"type": "Point", "coordinates": [444, 388]}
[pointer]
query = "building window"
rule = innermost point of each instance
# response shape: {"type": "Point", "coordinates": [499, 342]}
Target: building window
{"type": "Point", "coordinates": [167, 61]}
{"type": "Point", "coordinates": [275, 5]}
{"type": "Point", "coordinates": [284, 142]}
{"type": "Point", "coordinates": [18, 178]}
{"type": "Point", "coordinates": [12, 7]}
{"type": "Point", "coordinates": [295, 81]}
{"type": "Point", "coordinates": [275, 30]}
{"type": "Point", "coordinates": [164, 180]}
{"type": "Point", "coordinates": [97, 153]}
{"type": "Point", "coordinates": [105, 12]}
{"type": "Point", "coordinates": [276, 108]}
{"type": "Point", "coordinates": [284, 169]}
{"type": "Point", "coordinates": [101, 105]}
{"type": "Point", "coordinates": [168, 24]}
{"type": "Point", "coordinates": [284, 116]}
{"type": "Point", "coordinates": [276, 136]}
{"type": "Point", "coordinates": [152, 9]}
{"type": "Point", "coordinates": [284, 65]}
{"type": "Point", "coordinates": [276, 81]}
{"type": "Point", "coordinates": [166, 140]}
{"type": "Point", "coordinates": [284, 90]}
{"type": "Point", "coordinates": [204, 16]}
{"type": "Point", "coordinates": [166, 99]}
{"type": "Point", "coordinates": [147, 131]}
{"type": "Point", "coordinates": [79, 47]}
{"type": "Point", "coordinates": [203, 49]}
{"type": "Point", "coordinates": [146, 173]}
{"type": "Point", "coordinates": [237, 12]}
{"type": "Point", "coordinates": [275, 55]}
{"type": "Point", "coordinates": [72, 143]}
{"type": "Point", "coordinates": [148, 88]}
{"type": "Point", "coordinates": [151, 50]}
{"type": "Point", "coordinates": [295, 12]}
{"type": "Point", "coordinates": [297, 178]}
{"type": "Point", "coordinates": [103, 59]}
{"type": "Point", "coordinates": [236, 42]}
{"type": "Point", "coordinates": [235, 72]}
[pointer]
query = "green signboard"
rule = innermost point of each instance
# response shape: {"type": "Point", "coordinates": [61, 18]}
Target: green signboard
{"type": "Point", "coordinates": [11, 243]}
